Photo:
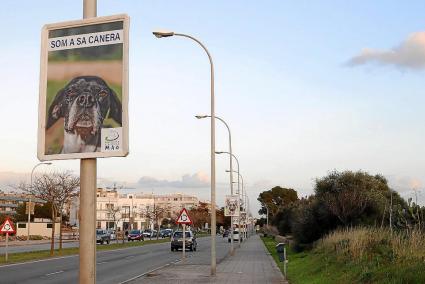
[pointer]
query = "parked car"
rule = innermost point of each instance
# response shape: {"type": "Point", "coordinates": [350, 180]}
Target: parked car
{"type": "Point", "coordinates": [166, 233]}
{"type": "Point", "coordinates": [177, 241]}
{"type": "Point", "coordinates": [226, 233]}
{"type": "Point", "coordinates": [135, 235]}
{"type": "Point", "coordinates": [147, 233]}
{"type": "Point", "coordinates": [113, 234]}
{"type": "Point", "coordinates": [235, 236]}
{"type": "Point", "coordinates": [102, 236]}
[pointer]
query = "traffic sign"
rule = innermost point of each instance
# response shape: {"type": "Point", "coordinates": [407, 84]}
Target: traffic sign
{"type": "Point", "coordinates": [184, 218]}
{"type": "Point", "coordinates": [7, 227]}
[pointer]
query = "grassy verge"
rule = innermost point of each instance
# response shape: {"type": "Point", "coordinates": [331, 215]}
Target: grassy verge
{"type": "Point", "coordinates": [357, 256]}
{"type": "Point", "coordinates": [44, 254]}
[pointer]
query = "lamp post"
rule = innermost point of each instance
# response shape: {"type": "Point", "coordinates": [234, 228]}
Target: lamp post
{"type": "Point", "coordinates": [161, 34]}
{"type": "Point", "coordinates": [232, 250]}
{"type": "Point", "coordinates": [29, 200]}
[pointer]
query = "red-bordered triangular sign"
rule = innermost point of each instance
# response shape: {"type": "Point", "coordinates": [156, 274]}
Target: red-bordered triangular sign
{"type": "Point", "coordinates": [7, 227]}
{"type": "Point", "coordinates": [184, 217]}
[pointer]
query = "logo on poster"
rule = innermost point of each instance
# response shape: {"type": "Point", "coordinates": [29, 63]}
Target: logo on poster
{"type": "Point", "coordinates": [111, 139]}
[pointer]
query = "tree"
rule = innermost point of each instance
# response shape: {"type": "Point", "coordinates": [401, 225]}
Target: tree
{"type": "Point", "coordinates": [276, 199]}
{"type": "Point", "coordinates": [56, 189]}
{"type": "Point", "coordinates": [200, 215]}
{"type": "Point", "coordinates": [353, 197]}
{"type": "Point", "coordinates": [115, 214]}
{"type": "Point", "coordinates": [155, 213]}
{"type": "Point", "coordinates": [68, 188]}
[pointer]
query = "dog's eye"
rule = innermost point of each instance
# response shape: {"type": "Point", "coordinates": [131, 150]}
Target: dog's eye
{"type": "Point", "coordinates": [71, 93]}
{"type": "Point", "coordinates": [102, 95]}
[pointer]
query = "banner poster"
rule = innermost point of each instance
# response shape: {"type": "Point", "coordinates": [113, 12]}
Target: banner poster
{"type": "Point", "coordinates": [231, 206]}
{"type": "Point", "coordinates": [83, 101]}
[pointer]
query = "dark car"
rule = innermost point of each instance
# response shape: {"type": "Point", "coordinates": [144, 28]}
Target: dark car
{"type": "Point", "coordinates": [226, 233]}
{"type": "Point", "coordinates": [177, 241]}
{"type": "Point", "coordinates": [102, 236]}
{"type": "Point", "coordinates": [166, 233]}
{"type": "Point", "coordinates": [135, 235]}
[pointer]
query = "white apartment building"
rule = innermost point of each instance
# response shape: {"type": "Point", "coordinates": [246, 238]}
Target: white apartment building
{"type": "Point", "coordinates": [132, 210]}
{"type": "Point", "coordinates": [175, 202]}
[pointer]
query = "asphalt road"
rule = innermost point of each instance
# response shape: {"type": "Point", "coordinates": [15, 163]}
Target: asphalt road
{"type": "Point", "coordinates": [116, 266]}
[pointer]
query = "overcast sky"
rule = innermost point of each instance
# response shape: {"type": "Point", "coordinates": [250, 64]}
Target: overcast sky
{"type": "Point", "coordinates": [306, 87]}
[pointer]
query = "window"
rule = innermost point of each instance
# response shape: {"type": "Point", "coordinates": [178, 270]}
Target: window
{"type": "Point", "coordinates": [22, 225]}
{"type": "Point", "coordinates": [49, 226]}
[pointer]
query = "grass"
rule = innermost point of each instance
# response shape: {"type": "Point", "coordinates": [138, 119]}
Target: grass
{"type": "Point", "coordinates": [359, 255]}
{"type": "Point", "coordinates": [45, 254]}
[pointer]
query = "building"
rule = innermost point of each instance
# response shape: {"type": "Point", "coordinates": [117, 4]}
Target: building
{"type": "Point", "coordinates": [133, 210]}
{"type": "Point", "coordinates": [40, 227]}
{"type": "Point", "coordinates": [175, 202]}
{"type": "Point", "coordinates": [9, 202]}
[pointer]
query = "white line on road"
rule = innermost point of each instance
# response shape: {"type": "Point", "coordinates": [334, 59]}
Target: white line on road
{"type": "Point", "coordinates": [35, 261]}
{"type": "Point", "coordinates": [53, 273]}
{"type": "Point", "coordinates": [102, 262]}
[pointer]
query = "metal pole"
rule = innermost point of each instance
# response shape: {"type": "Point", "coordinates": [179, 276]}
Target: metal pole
{"type": "Point", "coordinates": [267, 209]}
{"type": "Point", "coordinates": [29, 200]}
{"type": "Point", "coordinates": [232, 249]}
{"type": "Point", "coordinates": [7, 241]}
{"type": "Point", "coordinates": [184, 243]}
{"type": "Point", "coordinates": [88, 176]}
{"type": "Point", "coordinates": [213, 202]}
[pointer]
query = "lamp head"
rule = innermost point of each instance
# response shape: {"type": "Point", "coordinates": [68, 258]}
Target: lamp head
{"type": "Point", "coordinates": [201, 116]}
{"type": "Point", "coordinates": [219, 152]}
{"type": "Point", "coordinates": [161, 34]}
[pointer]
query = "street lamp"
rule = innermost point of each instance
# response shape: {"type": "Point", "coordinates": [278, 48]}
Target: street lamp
{"type": "Point", "coordinates": [161, 34]}
{"type": "Point", "coordinates": [237, 162]}
{"type": "Point", "coordinates": [29, 201]}
{"type": "Point", "coordinates": [232, 251]}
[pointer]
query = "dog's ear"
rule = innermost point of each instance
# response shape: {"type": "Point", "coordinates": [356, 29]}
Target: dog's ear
{"type": "Point", "coordinates": [56, 110]}
{"type": "Point", "coordinates": [115, 107]}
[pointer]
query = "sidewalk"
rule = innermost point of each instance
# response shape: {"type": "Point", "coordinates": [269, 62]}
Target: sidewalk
{"type": "Point", "coordinates": [250, 264]}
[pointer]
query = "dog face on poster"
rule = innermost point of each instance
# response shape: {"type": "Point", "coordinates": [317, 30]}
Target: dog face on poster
{"type": "Point", "coordinates": [231, 206]}
{"type": "Point", "coordinates": [84, 103]}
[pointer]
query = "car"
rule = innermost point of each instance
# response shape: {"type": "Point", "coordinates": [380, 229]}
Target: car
{"type": "Point", "coordinates": [235, 236]}
{"type": "Point", "coordinates": [177, 241]}
{"type": "Point", "coordinates": [147, 233]}
{"type": "Point", "coordinates": [165, 233]}
{"type": "Point", "coordinates": [135, 235]}
{"type": "Point", "coordinates": [226, 233]}
{"type": "Point", "coordinates": [113, 234]}
{"type": "Point", "coordinates": [102, 236]}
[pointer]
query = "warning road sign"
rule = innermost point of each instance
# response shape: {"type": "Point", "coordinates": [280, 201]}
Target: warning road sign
{"type": "Point", "coordinates": [7, 227]}
{"type": "Point", "coordinates": [184, 218]}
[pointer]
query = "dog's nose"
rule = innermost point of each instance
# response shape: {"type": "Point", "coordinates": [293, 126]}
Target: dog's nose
{"type": "Point", "coordinates": [86, 100]}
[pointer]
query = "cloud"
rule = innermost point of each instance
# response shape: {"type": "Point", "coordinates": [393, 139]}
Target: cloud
{"type": "Point", "coordinates": [197, 180]}
{"type": "Point", "coordinates": [404, 183]}
{"type": "Point", "coordinates": [410, 54]}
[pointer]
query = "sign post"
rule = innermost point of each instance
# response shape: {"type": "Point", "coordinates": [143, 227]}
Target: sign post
{"type": "Point", "coordinates": [7, 227]}
{"type": "Point", "coordinates": [184, 219]}
{"type": "Point", "coordinates": [83, 109]}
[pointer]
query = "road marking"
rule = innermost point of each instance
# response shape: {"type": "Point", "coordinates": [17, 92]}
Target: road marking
{"type": "Point", "coordinates": [143, 274]}
{"type": "Point", "coordinates": [53, 273]}
{"type": "Point", "coordinates": [102, 262]}
{"type": "Point", "coordinates": [35, 261]}
{"type": "Point", "coordinates": [130, 256]}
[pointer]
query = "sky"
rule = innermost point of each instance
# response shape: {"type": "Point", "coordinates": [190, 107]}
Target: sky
{"type": "Point", "coordinates": [306, 87]}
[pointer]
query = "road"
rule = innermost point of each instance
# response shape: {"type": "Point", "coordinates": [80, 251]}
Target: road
{"type": "Point", "coordinates": [116, 266]}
